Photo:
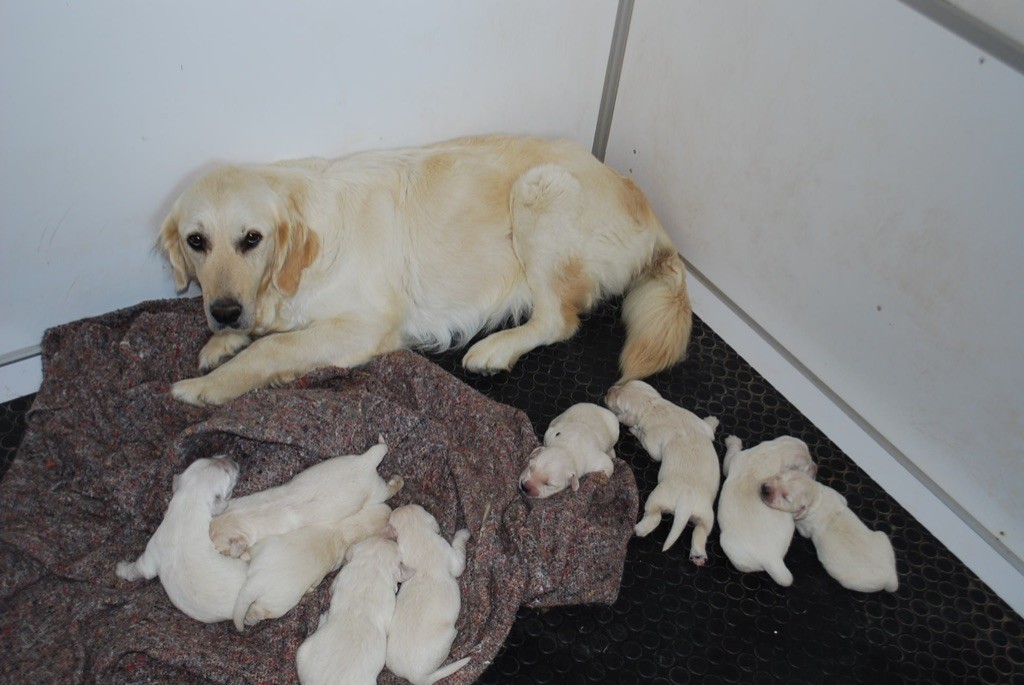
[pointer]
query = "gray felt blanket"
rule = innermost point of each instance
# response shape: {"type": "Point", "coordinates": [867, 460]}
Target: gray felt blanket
{"type": "Point", "coordinates": [93, 477]}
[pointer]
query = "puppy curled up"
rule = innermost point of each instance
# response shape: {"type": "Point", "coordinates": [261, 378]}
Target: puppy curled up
{"type": "Point", "coordinates": [859, 558]}
{"type": "Point", "coordinates": [199, 580]}
{"type": "Point", "coordinates": [689, 475]}
{"type": "Point", "coordinates": [283, 568]}
{"type": "Point", "coordinates": [753, 536]}
{"type": "Point", "coordinates": [349, 646]}
{"type": "Point", "coordinates": [423, 627]}
{"type": "Point", "coordinates": [579, 441]}
{"type": "Point", "coordinates": [323, 494]}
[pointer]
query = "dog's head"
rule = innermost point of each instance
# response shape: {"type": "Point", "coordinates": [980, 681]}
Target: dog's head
{"type": "Point", "coordinates": [791, 491]}
{"type": "Point", "coordinates": [239, 232]}
{"type": "Point", "coordinates": [213, 478]}
{"type": "Point", "coordinates": [549, 472]}
{"type": "Point", "coordinates": [629, 401]}
{"type": "Point", "coordinates": [583, 421]}
{"type": "Point", "coordinates": [410, 518]}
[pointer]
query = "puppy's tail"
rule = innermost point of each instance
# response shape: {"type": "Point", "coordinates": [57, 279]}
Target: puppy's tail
{"type": "Point", "coordinates": [680, 517]}
{"type": "Point", "coordinates": [658, 317]}
{"type": "Point", "coordinates": [445, 671]}
{"type": "Point", "coordinates": [242, 604]}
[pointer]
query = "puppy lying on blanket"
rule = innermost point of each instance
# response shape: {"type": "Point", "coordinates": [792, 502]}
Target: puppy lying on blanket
{"type": "Point", "coordinates": [428, 604]}
{"type": "Point", "coordinates": [579, 441]}
{"type": "Point", "coordinates": [323, 494]}
{"type": "Point", "coordinates": [200, 581]}
{"type": "Point", "coordinates": [753, 536]}
{"type": "Point", "coordinates": [859, 558]}
{"type": "Point", "coordinates": [350, 644]}
{"type": "Point", "coordinates": [283, 568]}
{"type": "Point", "coordinates": [688, 478]}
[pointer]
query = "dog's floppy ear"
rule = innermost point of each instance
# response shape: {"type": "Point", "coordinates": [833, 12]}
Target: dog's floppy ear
{"type": "Point", "coordinates": [219, 504]}
{"type": "Point", "coordinates": [296, 248]}
{"type": "Point", "coordinates": [404, 572]}
{"type": "Point", "coordinates": [170, 244]}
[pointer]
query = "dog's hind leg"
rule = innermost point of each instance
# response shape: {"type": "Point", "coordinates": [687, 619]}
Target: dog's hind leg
{"type": "Point", "coordinates": [703, 521]}
{"type": "Point", "coordinates": [546, 203]}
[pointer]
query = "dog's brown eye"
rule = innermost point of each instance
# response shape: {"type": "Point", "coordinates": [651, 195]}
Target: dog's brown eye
{"type": "Point", "coordinates": [196, 242]}
{"type": "Point", "coordinates": [251, 240]}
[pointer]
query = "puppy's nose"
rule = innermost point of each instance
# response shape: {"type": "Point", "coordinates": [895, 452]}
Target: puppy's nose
{"type": "Point", "coordinates": [766, 491]}
{"type": "Point", "coordinates": [226, 312]}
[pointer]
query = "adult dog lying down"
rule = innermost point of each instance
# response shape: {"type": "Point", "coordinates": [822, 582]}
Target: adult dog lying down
{"type": "Point", "coordinates": [314, 262]}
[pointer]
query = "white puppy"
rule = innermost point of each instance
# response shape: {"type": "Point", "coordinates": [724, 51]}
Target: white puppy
{"type": "Point", "coordinates": [428, 605]}
{"type": "Point", "coordinates": [323, 494]}
{"type": "Point", "coordinates": [689, 476]}
{"type": "Point", "coordinates": [859, 558]}
{"type": "Point", "coordinates": [350, 644]}
{"type": "Point", "coordinates": [199, 581]}
{"type": "Point", "coordinates": [283, 568]}
{"type": "Point", "coordinates": [753, 536]}
{"type": "Point", "coordinates": [579, 441]}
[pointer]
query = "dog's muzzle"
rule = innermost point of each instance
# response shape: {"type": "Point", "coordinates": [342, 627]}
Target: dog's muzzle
{"type": "Point", "coordinates": [226, 312]}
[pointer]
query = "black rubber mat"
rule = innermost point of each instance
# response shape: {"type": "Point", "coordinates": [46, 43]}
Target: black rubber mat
{"type": "Point", "coordinates": [675, 623]}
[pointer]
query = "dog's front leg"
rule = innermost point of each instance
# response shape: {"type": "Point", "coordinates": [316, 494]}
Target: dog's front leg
{"type": "Point", "coordinates": [279, 358]}
{"type": "Point", "coordinates": [221, 347]}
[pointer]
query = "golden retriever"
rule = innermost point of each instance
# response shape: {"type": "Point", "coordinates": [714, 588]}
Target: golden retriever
{"type": "Point", "coordinates": [313, 262]}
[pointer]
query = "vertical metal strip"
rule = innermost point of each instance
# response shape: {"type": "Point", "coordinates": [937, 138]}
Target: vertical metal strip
{"type": "Point", "coordinates": [623, 15]}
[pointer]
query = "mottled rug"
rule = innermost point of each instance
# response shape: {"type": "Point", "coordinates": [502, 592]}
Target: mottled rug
{"type": "Point", "coordinates": [93, 477]}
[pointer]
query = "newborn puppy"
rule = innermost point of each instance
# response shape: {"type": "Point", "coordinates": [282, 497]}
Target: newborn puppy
{"type": "Point", "coordinates": [283, 568]}
{"type": "Point", "coordinates": [200, 581]}
{"type": "Point", "coordinates": [350, 644]}
{"type": "Point", "coordinates": [423, 627]}
{"type": "Point", "coordinates": [753, 536]}
{"type": "Point", "coordinates": [688, 478]}
{"type": "Point", "coordinates": [859, 558]}
{"type": "Point", "coordinates": [579, 441]}
{"type": "Point", "coordinates": [323, 494]}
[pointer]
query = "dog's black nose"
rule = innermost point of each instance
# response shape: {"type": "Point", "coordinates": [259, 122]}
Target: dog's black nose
{"type": "Point", "coordinates": [225, 312]}
{"type": "Point", "coordinates": [766, 490]}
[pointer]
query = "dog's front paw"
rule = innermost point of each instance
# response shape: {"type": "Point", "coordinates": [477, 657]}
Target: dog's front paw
{"type": "Point", "coordinates": [128, 571]}
{"type": "Point", "coordinates": [202, 392]}
{"type": "Point", "coordinates": [220, 348]}
{"type": "Point", "coordinates": [732, 442]}
{"type": "Point", "coordinates": [699, 559]}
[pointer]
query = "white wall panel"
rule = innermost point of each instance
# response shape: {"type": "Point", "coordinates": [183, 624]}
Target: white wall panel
{"type": "Point", "coordinates": [108, 109]}
{"type": "Point", "coordinates": [852, 176]}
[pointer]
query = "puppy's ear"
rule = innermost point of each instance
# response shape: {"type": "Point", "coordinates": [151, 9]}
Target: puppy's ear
{"type": "Point", "coordinates": [404, 572]}
{"type": "Point", "coordinates": [575, 483]}
{"type": "Point", "coordinates": [220, 503]}
{"type": "Point", "coordinates": [296, 247]}
{"type": "Point", "coordinates": [170, 245]}
{"type": "Point", "coordinates": [389, 532]}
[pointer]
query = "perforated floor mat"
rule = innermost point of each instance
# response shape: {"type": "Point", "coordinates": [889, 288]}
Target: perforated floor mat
{"type": "Point", "coordinates": [675, 623]}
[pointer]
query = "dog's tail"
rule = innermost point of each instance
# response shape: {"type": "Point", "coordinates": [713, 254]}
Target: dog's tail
{"type": "Point", "coordinates": [242, 604]}
{"type": "Point", "coordinates": [658, 317]}
{"type": "Point", "coordinates": [445, 671]}
{"type": "Point", "coordinates": [680, 517]}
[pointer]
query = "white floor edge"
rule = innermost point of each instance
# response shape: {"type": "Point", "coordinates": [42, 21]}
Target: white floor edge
{"type": "Point", "coordinates": [926, 507]}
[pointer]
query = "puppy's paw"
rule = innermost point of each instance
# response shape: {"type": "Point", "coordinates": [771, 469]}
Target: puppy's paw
{"type": "Point", "coordinates": [220, 348]}
{"type": "Point", "coordinates": [699, 559]}
{"type": "Point", "coordinates": [732, 442]}
{"type": "Point", "coordinates": [489, 356]}
{"type": "Point", "coordinates": [128, 571]}
{"type": "Point", "coordinates": [395, 483]}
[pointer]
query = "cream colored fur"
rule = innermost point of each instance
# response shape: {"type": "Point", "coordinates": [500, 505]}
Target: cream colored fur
{"type": "Point", "coordinates": [283, 568]}
{"type": "Point", "coordinates": [859, 558]}
{"type": "Point", "coordinates": [323, 494]}
{"type": "Point", "coordinates": [423, 626]}
{"type": "Point", "coordinates": [689, 476]}
{"type": "Point", "coordinates": [753, 536]}
{"type": "Point", "coordinates": [198, 580]}
{"type": "Point", "coordinates": [331, 262]}
{"type": "Point", "coordinates": [579, 441]}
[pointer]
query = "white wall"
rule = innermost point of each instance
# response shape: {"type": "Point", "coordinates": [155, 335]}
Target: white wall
{"type": "Point", "coordinates": [852, 177]}
{"type": "Point", "coordinates": [110, 108]}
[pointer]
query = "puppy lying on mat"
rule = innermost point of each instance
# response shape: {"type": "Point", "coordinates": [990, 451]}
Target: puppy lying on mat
{"type": "Point", "coordinates": [311, 263]}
